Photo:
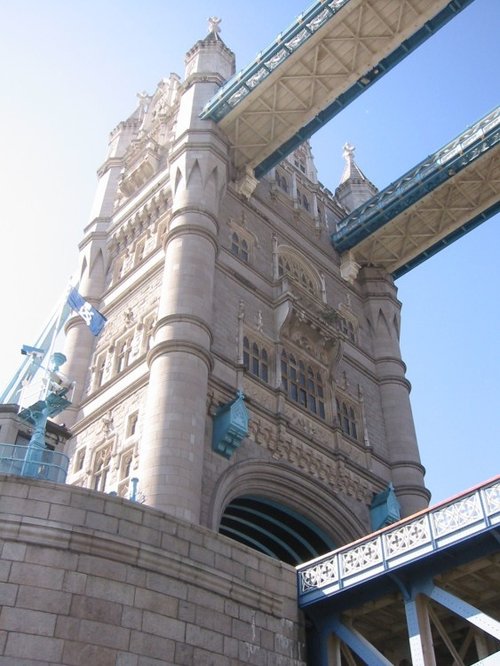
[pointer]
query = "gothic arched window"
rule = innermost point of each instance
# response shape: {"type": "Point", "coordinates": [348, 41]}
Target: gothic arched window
{"type": "Point", "coordinates": [101, 469]}
{"type": "Point", "coordinates": [291, 267]}
{"type": "Point", "coordinates": [303, 384]}
{"type": "Point", "coordinates": [347, 418]}
{"type": "Point", "coordinates": [123, 355]}
{"type": "Point", "coordinates": [240, 247]}
{"type": "Point", "coordinates": [282, 182]}
{"type": "Point", "coordinates": [100, 370]}
{"type": "Point", "coordinates": [256, 359]}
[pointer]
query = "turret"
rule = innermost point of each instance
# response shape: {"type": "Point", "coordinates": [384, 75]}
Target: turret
{"type": "Point", "coordinates": [180, 360]}
{"type": "Point", "coordinates": [354, 188]}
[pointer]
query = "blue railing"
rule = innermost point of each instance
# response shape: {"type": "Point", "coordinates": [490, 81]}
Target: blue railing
{"type": "Point", "coordinates": [429, 531]}
{"type": "Point", "coordinates": [48, 466]}
{"type": "Point", "coordinates": [419, 181]}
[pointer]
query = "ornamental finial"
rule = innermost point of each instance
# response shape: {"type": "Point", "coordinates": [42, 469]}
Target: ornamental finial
{"type": "Point", "coordinates": [214, 26]}
{"type": "Point", "coordinates": [348, 152]}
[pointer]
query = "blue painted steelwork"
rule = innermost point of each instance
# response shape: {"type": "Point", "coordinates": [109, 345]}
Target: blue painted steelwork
{"type": "Point", "coordinates": [448, 240]}
{"type": "Point", "coordinates": [51, 393]}
{"type": "Point", "coordinates": [285, 44]}
{"type": "Point", "coordinates": [230, 426]}
{"type": "Point", "coordinates": [267, 61]}
{"type": "Point", "coordinates": [384, 509]}
{"type": "Point", "coordinates": [48, 466]}
{"type": "Point", "coordinates": [417, 541]}
{"type": "Point", "coordinates": [25, 372]}
{"type": "Point", "coordinates": [417, 183]}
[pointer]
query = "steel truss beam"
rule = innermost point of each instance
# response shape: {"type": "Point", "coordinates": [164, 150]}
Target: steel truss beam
{"type": "Point", "coordinates": [438, 201]}
{"type": "Point", "coordinates": [329, 56]}
{"type": "Point", "coordinates": [419, 617]}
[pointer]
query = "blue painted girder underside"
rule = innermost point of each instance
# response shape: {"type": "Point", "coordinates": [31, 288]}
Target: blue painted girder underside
{"type": "Point", "coordinates": [220, 105]}
{"type": "Point", "coordinates": [416, 184]}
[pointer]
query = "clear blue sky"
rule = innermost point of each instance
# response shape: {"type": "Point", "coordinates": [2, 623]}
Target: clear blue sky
{"type": "Point", "coordinates": [70, 72]}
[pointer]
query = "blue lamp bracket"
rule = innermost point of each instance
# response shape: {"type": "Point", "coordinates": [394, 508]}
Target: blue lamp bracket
{"type": "Point", "coordinates": [384, 509]}
{"type": "Point", "coordinates": [230, 426]}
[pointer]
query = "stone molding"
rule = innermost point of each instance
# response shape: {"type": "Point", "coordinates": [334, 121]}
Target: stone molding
{"type": "Point", "coordinates": [184, 318]}
{"type": "Point", "coordinates": [177, 345]}
{"type": "Point", "coordinates": [192, 229]}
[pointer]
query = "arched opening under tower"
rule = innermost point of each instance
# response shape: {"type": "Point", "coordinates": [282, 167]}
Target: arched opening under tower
{"type": "Point", "coordinates": [274, 529]}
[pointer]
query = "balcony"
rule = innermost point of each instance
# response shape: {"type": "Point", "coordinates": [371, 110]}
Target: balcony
{"type": "Point", "coordinates": [41, 464]}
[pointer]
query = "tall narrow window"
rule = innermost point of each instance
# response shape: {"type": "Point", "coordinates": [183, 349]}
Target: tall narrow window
{"type": "Point", "coordinates": [132, 424]}
{"type": "Point", "coordinates": [101, 469]}
{"type": "Point", "coordinates": [100, 370]}
{"type": "Point", "coordinates": [347, 418]}
{"type": "Point", "coordinates": [239, 247]}
{"type": "Point", "coordinates": [281, 182]}
{"type": "Point", "coordinates": [139, 251]}
{"type": "Point", "coordinates": [123, 355]}
{"type": "Point", "coordinates": [303, 384]}
{"type": "Point", "coordinates": [255, 359]}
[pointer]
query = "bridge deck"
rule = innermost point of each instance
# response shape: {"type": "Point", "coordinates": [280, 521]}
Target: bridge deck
{"type": "Point", "coordinates": [330, 55]}
{"type": "Point", "coordinates": [439, 200]}
{"type": "Point", "coordinates": [391, 584]}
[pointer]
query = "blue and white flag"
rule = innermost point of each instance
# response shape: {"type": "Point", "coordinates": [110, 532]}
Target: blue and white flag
{"type": "Point", "coordinates": [92, 317]}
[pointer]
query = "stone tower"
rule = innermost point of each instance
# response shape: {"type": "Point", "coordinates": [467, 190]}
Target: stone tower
{"type": "Point", "coordinates": [211, 291]}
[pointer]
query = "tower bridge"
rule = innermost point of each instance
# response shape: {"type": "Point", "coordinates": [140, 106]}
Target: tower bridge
{"type": "Point", "coordinates": [331, 54]}
{"type": "Point", "coordinates": [249, 382]}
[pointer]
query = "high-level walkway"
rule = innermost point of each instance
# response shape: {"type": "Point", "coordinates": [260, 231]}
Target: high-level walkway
{"type": "Point", "coordinates": [432, 579]}
{"type": "Point", "coordinates": [442, 198]}
{"type": "Point", "coordinates": [332, 53]}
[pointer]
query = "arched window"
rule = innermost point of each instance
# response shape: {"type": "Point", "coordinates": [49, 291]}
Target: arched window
{"type": "Point", "coordinates": [119, 269]}
{"type": "Point", "coordinates": [288, 266]}
{"type": "Point", "coordinates": [149, 327]}
{"type": "Point", "coordinates": [123, 355]}
{"type": "Point", "coordinates": [303, 384]}
{"type": "Point", "coordinates": [347, 328]}
{"type": "Point", "coordinates": [305, 202]}
{"type": "Point", "coordinates": [281, 182]}
{"type": "Point", "coordinates": [139, 251]}
{"type": "Point", "coordinates": [347, 418]}
{"type": "Point", "coordinates": [100, 370]}
{"type": "Point", "coordinates": [239, 247]}
{"type": "Point", "coordinates": [255, 359]}
{"type": "Point", "coordinates": [132, 424]}
{"type": "Point", "coordinates": [101, 469]}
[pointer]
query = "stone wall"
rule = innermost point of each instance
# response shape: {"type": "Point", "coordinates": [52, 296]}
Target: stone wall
{"type": "Point", "coordinates": [86, 578]}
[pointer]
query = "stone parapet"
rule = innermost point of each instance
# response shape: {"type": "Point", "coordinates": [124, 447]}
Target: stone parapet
{"type": "Point", "coordinates": [89, 578]}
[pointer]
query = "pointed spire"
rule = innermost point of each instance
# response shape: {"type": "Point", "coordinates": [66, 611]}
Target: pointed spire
{"type": "Point", "coordinates": [351, 169]}
{"type": "Point", "coordinates": [354, 187]}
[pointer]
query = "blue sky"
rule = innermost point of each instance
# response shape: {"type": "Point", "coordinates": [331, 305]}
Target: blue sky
{"type": "Point", "coordinates": [70, 72]}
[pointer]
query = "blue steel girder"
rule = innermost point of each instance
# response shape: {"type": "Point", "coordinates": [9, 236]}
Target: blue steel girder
{"type": "Point", "coordinates": [333, 52]}
{"type": "Point", "coordinates": [395, 230]}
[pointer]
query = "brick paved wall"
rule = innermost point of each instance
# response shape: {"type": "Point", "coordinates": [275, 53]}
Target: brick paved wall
{"type": "Point", "coordinates": [86, 578]}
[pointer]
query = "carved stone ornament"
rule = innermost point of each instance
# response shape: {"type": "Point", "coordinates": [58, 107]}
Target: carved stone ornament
{"type": "Point", "coordinates": [246, 184]}
{"type": "Point", "coordinates": [349, 268]}
{"type": "Point", "coordinates": [311, 334]}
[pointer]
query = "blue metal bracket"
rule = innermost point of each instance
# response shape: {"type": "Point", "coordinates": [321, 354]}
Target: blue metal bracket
{"type": "Point", "coordinates": [230, 426]}
{"type": "Point", "coordinates": [384, 509]}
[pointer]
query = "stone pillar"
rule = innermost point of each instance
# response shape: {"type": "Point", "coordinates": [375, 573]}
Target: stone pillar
{"type": "Point", "coordinates": [79, 342]}
{"type": "Point", "coordinates": [383, 313]}
{"type": "Point", "coordinates": [172, 446]}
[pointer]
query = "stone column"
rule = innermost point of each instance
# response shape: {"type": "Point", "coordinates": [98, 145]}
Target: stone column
{"type": "Point", "coordinates": [172, 446]}
{"type": "Point", "coordinates": [383, 313]}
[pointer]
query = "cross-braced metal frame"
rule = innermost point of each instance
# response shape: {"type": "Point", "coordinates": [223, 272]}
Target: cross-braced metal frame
{"type": "Point", "coordinates": [426, 589]}
{"type": "Point", "coordinates": [330, 55]}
